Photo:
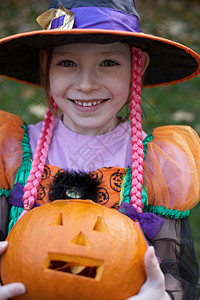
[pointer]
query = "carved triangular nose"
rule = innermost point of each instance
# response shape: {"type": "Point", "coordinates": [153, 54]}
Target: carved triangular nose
{"type": "Point", "coordinates": [81, 240]}
{"type": "Point", "coordinates": [100, 225]}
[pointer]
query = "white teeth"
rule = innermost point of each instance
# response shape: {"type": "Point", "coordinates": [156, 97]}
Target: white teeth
{"type": "Point", "coordinates": [87, 104]}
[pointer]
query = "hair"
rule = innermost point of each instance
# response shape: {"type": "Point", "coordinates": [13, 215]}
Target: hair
{"type": "Point", "coordinates": [33, 181]}
{"type": "Point", "coordinates": [136, 130]}
{"type": "Point", "coordinates": [44, 78]}
{"type": "Point", "coordinates": [37, 168]}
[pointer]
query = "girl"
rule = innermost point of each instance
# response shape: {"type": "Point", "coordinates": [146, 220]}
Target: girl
{"type": "Point", "coordinates": [90, 56]}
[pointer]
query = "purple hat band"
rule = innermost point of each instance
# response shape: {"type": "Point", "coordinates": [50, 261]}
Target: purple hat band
{"type": "Point", "coordinates": [101, 18]}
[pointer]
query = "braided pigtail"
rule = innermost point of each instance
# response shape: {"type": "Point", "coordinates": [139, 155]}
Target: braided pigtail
{"type": "Point", "coordinates": [136, 130]}
{"type": "Point", "coordinates": [32, 185]}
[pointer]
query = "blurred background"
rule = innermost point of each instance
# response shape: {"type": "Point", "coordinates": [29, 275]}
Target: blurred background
{"type": "Point", "coordinates": [176, 104]}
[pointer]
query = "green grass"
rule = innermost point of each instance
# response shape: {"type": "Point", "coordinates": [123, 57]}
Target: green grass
{"type": "Point", "coordinates": [22, 100]}
{"type": "Point", "coordinates": [195, 225]}
{"type": "Point", "coordinates": [176, 104]}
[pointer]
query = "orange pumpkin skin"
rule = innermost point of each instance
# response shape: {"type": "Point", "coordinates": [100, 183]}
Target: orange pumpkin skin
{"type": "Point", "coordinates": [103, 249]}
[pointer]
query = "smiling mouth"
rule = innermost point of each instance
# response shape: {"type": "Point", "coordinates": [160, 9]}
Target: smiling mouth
{"type": "Point", "coordinates": [88, 103]}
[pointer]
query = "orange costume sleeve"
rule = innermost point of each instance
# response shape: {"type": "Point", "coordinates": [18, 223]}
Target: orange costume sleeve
{"type": "Point", "coordinates": [172, 168]}
{"type": "Point", "coordinates": [11, 135]}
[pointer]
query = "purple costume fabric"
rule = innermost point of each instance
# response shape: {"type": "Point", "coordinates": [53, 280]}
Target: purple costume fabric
{"type": "Point", "coordinates": [69, 150]}
{"type": "Point", "coordinates": [149, 222]}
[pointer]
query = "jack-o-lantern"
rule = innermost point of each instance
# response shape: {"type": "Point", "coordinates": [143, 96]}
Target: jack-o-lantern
{"type": "Point", "coordinates": [75, 250]}
{"type": "Point", "coordinates": [116, 180]}
{"type": "Point", "coordinates": [103, 196]}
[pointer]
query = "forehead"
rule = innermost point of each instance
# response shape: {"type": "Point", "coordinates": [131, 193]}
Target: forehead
{"type": "Point", "coordinates": [115, 48]}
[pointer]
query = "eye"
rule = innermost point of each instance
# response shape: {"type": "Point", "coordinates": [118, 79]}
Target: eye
{"type": "Point", "coordinates": [68, 63]}
{"type": "Point", "coordinates": [109, 63]}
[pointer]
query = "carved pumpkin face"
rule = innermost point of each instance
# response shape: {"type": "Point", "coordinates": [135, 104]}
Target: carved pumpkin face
{"type": "Point", "coordinates": [75, 249]}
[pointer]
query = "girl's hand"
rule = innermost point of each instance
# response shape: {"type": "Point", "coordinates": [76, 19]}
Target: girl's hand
{"type": "Point", "coordinates": [154, 287]}
{"type": "Point", "coordinates": [12, 289]}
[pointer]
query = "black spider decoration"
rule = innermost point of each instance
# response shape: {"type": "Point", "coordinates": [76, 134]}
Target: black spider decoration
{"type": "Point", "coordinates": [74, 185]}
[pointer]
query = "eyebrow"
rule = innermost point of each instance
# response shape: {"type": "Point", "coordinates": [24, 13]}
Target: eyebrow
{"type": "Point", "coordinates": [106, 53]}
{"type": "Point", "coordinates": [63, 53]}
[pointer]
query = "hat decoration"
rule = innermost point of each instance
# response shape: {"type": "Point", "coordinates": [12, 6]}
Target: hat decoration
{"type": "Point", "coordinates": [91, 18]}
{"type": "Point", "coordinates": [56, 19]}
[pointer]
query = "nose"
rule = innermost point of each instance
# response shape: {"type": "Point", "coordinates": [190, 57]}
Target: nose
{"type": "Point", "coordinates": [87, 81]}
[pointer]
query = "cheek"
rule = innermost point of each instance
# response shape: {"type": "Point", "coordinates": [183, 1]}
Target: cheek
{"type": "Point", "coordinates": [122, 88]}
{"type": "Point", "coordinates": [57, 85]}
{"type": "Point", "coordinates": [123, 80]}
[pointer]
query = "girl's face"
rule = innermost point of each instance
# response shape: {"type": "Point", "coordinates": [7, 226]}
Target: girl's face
{"type": "Point", "coordinates": [90, 83]}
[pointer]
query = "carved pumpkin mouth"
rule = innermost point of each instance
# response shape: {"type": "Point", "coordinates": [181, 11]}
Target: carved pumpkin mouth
{"type": "Point", "coordinates": [79, 266]}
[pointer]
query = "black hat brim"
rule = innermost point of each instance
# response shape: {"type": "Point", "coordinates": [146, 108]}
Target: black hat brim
{"type": "Point", "coordinates": [170, 62]}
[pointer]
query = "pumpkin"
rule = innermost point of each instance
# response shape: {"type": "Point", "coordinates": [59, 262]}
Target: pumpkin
{"type": "Point", "coordinates": [75, 250]}
{"type": "Point", "coordinates": [103, 196]}
{"type": "Point", "coordinates": [116, 180]}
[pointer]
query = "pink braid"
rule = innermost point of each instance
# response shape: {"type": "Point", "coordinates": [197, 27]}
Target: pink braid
{"type": "Point", "coordinates": [32, 185]}
{"type": "Point", "coordinates": [136, 130]}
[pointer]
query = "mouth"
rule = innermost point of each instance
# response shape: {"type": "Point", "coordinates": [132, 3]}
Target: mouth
{"type": "Point", "coordinates": [88, 103]}
{"type": "Point", "coordinates": [79, 266]}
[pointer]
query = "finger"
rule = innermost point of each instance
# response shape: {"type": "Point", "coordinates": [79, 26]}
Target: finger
{"type": "Point", "coordinates": [154, 273]}
{"type": "Point", "coordinates": [11, 290]}
{"type": "Point", "coordinates": [133, 298]}
{"type": "Point", "coordinates": [3, 246]}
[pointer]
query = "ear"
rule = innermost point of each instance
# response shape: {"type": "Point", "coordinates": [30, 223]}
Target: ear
{"type": "Point", "coordinates": [145, 61]}
{"type": "Point", "coordinates": [43, 60]}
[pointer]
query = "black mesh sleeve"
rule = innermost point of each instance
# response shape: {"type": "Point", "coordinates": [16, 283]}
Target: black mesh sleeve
{"type": "Point", "coordinates": [175, 248]}
{"type": "Point", "coordinates": [4, 217]}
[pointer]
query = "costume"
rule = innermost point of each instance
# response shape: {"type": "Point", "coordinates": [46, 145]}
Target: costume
{"type": "Point", "coordinates": [173, 149]}
{"type": "Point", "coordinates": [85, 152]}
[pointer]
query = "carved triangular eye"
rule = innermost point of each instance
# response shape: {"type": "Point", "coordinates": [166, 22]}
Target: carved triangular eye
{"type": "Point", "coordinates": [100, 225]}
{"type": "Point", "coordinates": [58, 220]}
{"type": "Point", "coordinates": [81, 240]}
